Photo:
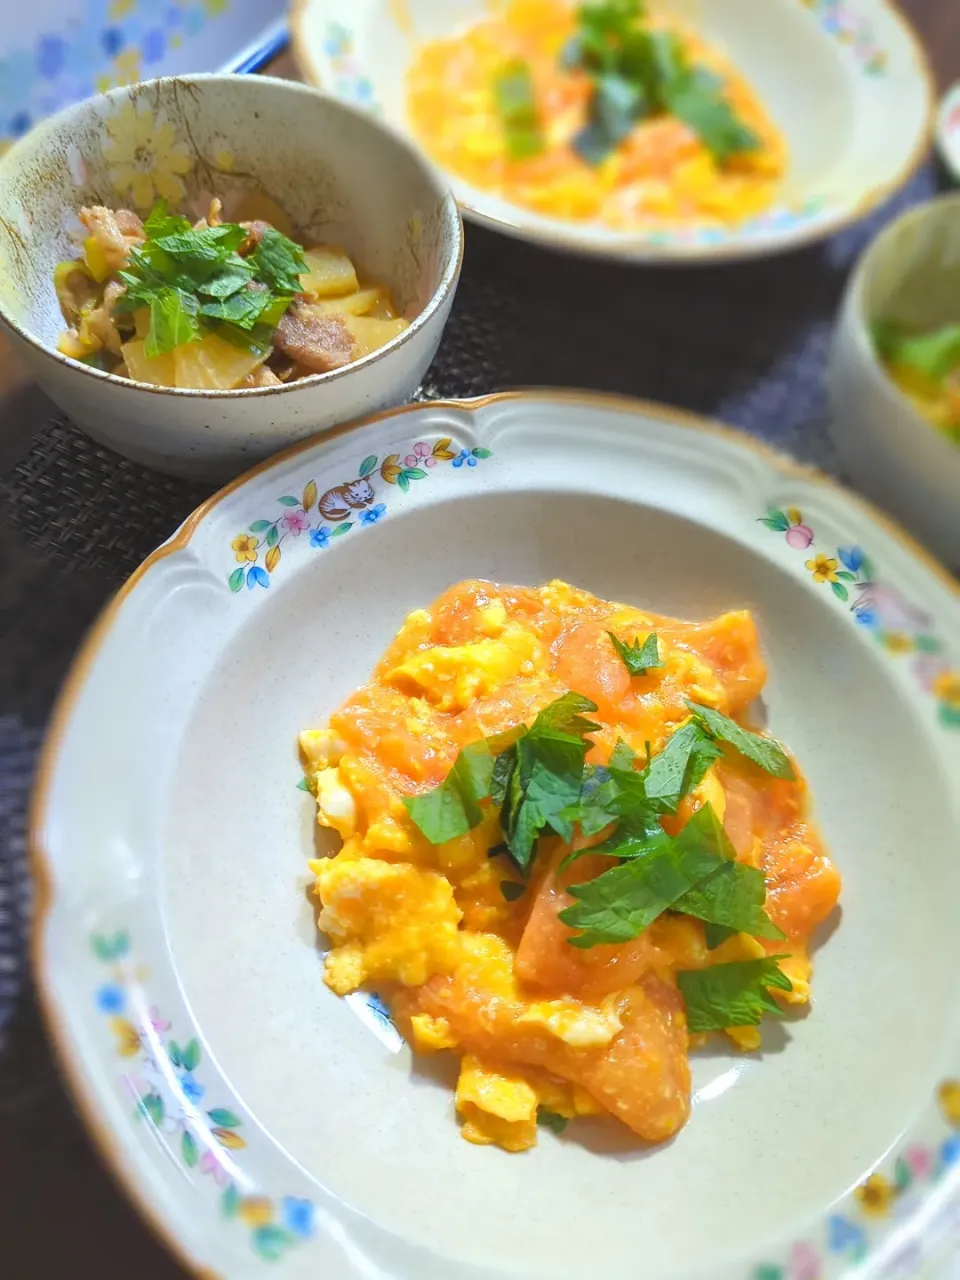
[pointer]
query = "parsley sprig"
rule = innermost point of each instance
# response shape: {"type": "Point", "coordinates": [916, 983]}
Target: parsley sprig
{"type": "Point", "coordinates": [530, 779]}
{"type": "Point", "coordinates": [537, 779]}
{"type": "Point", "coordinates": [636, 73]}
{"type": "Point", "coordinates": [516, 105]}
{"type": "Point", "coordinates": [637, 657]}
{"type": "Point", "coordinates": [193, 281]}
{"type": "Point", "coordinates": [732, 995]}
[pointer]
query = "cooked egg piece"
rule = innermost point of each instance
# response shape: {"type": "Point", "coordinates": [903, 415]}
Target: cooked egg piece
{"type": "Point", "coordinates": [454, 676]}
{"type": "Point", "coordinates": [321, 748]}
{"type": "Point", "coordinates": [336, 806]}
{"type": "Point", "coordinates": [403, 918]}
{"type": "Point", "coordinates": [578, 1025]}
{"type": "Point", "coordinates": [497, 1105]}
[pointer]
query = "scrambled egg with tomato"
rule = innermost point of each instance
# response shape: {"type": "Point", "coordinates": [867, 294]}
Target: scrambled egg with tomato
{"type": "Point", "coordinates": [660, 171]}
{"type": "Point", "coordinates": [540, 1026]}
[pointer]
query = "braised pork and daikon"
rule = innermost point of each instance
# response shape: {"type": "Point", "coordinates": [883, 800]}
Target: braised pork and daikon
{"type": "Point", "coordinates": [214, 305]}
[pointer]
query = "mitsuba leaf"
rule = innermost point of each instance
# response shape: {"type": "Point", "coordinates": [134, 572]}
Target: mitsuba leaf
{"type": "Point", "coordinates": [680, 766]}
{"type": "Point", "coordinates": [732, 995]}
{"type": "Point", "coordinates": [767, 753]}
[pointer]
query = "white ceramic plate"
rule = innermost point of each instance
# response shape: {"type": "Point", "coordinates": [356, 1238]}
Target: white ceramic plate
{"type": "Point", "coordinates": [251, 1113]}
{"type": "Point", "coordinates": [846, 81]}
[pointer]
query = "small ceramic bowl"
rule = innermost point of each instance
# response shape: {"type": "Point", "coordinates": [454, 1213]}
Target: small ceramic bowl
{"type": "Point", "coordinates": [910, 273]}
{"type": "Point", "coordinates": [338, 174]}
{"type": "Point", "coordinates": [948, 132]}
{"type": "Point", "coordinates": [846, 82]}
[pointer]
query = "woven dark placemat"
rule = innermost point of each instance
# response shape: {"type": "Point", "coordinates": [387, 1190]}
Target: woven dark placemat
{"type": "Point", "coordinates": [745, 343]}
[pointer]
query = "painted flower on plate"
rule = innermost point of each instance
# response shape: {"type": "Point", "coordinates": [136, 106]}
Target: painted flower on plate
{"type": "Point", "coordinates": [804, 1263]}
{"type": "Point", "coordinates": [799, 536]}
{"type": "Point", "coordinates": [946, 687]}
{"type": "Point", "coordinates": [844, 1236]}
{"type": "Point", "coordinates": [465, 456]}
{"type": "Point", "coordinates": [157, 1021]}
{"type": "Point", "coordinates": [143, 155]}
{"type": "Point", "coordinates": [896, 642]}
{"type": "Point", "coordinates": [319, 537]}
{"type": "Point", "coordinates": [111, 998]}
{"type": "Point", "coordinates": [824, 568]}
{"type": "Point", "coordinates": [245, 547]}
{"type": "Point", "coordinates": [298, 1216]}
{"type": "Point", "coordinates": [852, 557]}
{"type": "Point", "coordinates": [949, 1096]}
{"type": "Point", "coordinates": [256, 1211]}
{"type": "Point", "coordinates": [295, 522]}
{"type": "Point", "coordinates": [374, 514]}
{"type": "Point", "coordinates": [919, 1160]}
{"type": "Point", "coordinates": [127, 1037]}
{"type": "Point", "coordinates": [876, 1195]}
{"type": "Point", "coordinates": [211, 1165]}
{"type": "Point", "coordinates": [190, 1086]}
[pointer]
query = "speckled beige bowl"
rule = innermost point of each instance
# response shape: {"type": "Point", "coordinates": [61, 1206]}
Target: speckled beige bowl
{"type": "Point", "coordinates": [910, 273]}
{"type": "Point", "coordinates": [338, 173]}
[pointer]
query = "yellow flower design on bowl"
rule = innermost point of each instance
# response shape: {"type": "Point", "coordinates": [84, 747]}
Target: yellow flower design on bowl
{"type": "Point", "coordinates": [144, 157]}
{"type": "Point", "coordinates": [824, 568]}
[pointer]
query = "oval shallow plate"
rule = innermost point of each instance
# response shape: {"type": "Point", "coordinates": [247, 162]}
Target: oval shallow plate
{"type": "Point", "coordinates": [265, 1125]}
{"type": "Point", "coordinates": [846, 81]}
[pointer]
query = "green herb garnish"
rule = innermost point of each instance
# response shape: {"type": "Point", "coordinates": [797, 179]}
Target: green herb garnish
{"type": "Point", "coordinates": [550, 1120]}
{"type": "Point", "coordinates": [680, 766]}
{"type": "Point", "coordinates": [193, 281]}
{"type": "Point", "coordinates": [545, 774]}
{"type": "Point", "coordinates": [695, 96]}
{"type": "Point", "coordinates": [538, 778]}
{"type": "Point", "coordinates": [512, 889]}
{"type": "Point", "coordinates": [453, 808]}
{"type": "Point", "coordinates": [619, 904]}
{"type": "Point", "coordinates": [732, 995]}
{"type": "Point", "coordinates": [638, 73]}
{"type": "Point", "coordinates": [513, 94]}
{"type": "Point", "coordinates": [764, 752]}
{"type": "Point", "coordinates": [694, 873]}
{"type": "Point", "coordinates": [173, 320]}
{"type": "Point", "coordinates": [934, 355]}
{"type": "Point", "coordinates": [731, 899]}
{"type": "Point", "coordinates": [635, 657]}
{"type": "Point", "coordinates": [531, 779]}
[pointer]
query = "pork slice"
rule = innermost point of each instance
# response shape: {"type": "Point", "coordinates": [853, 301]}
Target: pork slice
{"type": "Point", "coordinates": [100, 320]}
{"type": "Point", "coordinates": [254, 232]}
{"type": "Point", "coordinates": [213, 218]}
{"type": "Point", "coordinates": [131, 228]}
{"type": "Point", "coordinates": [115, 231]}
{"type": "Point", "coordinates": [261, 377]}
{"type": "Point", "coordinates": [308, 336]}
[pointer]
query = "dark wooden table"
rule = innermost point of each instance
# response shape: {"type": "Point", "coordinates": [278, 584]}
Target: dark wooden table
{"type": "Point", "coordinates": [60, 1214]}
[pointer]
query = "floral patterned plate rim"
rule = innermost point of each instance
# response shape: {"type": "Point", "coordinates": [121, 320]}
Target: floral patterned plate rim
{"type": "Point", "coordinates": [207, 1114]}
{"type": "Point", "coordinates": [850, 164]}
